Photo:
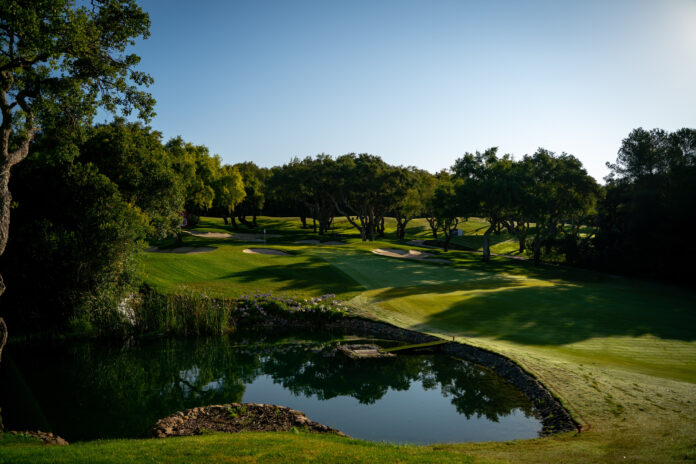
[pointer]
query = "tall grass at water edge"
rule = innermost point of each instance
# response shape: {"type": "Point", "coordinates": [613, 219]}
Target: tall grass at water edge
{"type": "Point", "coordinates": [184, 314]}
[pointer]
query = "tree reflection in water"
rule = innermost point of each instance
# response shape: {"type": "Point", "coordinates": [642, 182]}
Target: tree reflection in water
{"type": "Point", "coordinates": [91, 390]}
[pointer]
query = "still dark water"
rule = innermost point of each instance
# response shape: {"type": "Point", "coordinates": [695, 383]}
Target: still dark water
{"type": "Point", "coordinates": [84, 391]}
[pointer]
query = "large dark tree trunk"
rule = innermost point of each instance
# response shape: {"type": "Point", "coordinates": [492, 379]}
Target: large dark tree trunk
{"type": "Point", "coordinates": [380, 227]}
{"type": "Point", "coordinates": [401, 227]}
{"type": "Point", "coordinates": [243, 220]}
{"type": "Point", "coordinates": [537, 251]}
{"type": "Point", "coordinates": [486, 244]}
{"type": "Point", "coordinates": [433, 226]}
{"type": "Point", "coordinates": [371, 226]}
{"type": "Point", "coordinates": [7, 160]}
{"type": "Point", "coordinates": [303, 219]}
{"type": "Point", "coordinates": [448, 237]}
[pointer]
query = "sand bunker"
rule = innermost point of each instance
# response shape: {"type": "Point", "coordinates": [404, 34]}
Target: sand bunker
{"type": "Point", "coordinates": [181, 250]}
{"type": "Point", "coordinates": [410, 254]}
{"type": "Point", "coordinates": [264, 251]}
{"type": "Point", "coordinates": [396, 253]}
{"type": "Point", "coordinates": [209, 234]}
{"type": "Point", "coordinates": [242, 236]}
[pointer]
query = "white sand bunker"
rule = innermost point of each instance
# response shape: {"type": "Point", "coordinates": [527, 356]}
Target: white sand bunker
{"type": "Point", "coordinates": [209, 234]}
{"type": "Point", "coordinates": [264, 251]}
{"type": "Point", "coordinates": [242, 236]}
{"type": "Point", "coordinates": [181, 250]}
{"type": "Point", "coordinates": [410, 254]}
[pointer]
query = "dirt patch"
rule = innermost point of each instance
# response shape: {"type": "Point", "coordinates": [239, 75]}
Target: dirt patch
{"type": "Point", "coordinates": [308, 242]}
{"type": "Point", "coordinates": [182, 250]}
{"type": "Point", "coordinates": [235, 417]}
{"type": "Point", "coordinates": [331, 242]}
{"type": "Point", "coordinates": [264, 251]}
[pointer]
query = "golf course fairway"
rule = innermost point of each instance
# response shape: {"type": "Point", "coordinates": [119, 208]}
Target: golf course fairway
{"type": "Point", "coordinates": [619, 353]}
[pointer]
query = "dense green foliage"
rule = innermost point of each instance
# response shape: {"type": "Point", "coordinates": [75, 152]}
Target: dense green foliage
{"type": "Point", "coordinates": [648, 209]}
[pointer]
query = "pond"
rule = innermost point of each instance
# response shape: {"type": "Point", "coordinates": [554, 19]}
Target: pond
{"type": "Point", "coordinates": [89, 390]}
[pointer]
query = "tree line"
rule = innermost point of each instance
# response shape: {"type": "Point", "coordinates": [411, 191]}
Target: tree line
{"type": "Point", "coordinates": [85, 205]}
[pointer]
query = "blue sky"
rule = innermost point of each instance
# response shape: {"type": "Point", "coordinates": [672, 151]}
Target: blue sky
{"type": "Point", "coordinates": [419, 82]}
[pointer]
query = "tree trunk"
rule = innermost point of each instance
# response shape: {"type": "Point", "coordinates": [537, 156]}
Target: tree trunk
{"type": "Point", "coordinates": [433, 226]}
{"type": "Point", "coordinates": [486, 245]}
{"type": "Point", "coordinates": [522, 239]}
{"type": "Point", "coordinates": [537, 254]}
{"type": "Point", "coordinates": [314, 224]}
{"type": "Point", "coordinates": [380, 227]}
{"type": "Point", "coordinates": [448, 237]}
{"type": "Point", "coordinates": [303, 219]}
{"type": "Point", "coordinates": [234, 222]}
{"type": "Point", "coordinates": [224, 219]}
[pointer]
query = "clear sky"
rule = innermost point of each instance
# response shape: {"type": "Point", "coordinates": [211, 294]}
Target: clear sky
{"type": "Point", "coordinates": [419, 82]}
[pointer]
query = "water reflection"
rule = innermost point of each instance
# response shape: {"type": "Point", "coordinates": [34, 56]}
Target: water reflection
{"type": "Point", "coordinates": [88, 390]}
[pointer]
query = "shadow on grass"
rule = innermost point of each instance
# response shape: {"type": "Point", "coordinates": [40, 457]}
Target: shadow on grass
{"type": "Point", "coordinates": [564, 314]}
{"type": "Point", "coordinates": [315, 276]}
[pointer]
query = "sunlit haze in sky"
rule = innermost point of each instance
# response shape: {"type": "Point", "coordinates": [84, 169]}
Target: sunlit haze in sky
{"type": "Point", "coordinates": [419, 82]}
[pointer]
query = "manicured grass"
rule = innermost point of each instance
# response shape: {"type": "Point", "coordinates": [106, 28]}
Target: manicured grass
{"type": "Point", "coordinates": [241, 447]}
{"type": "Point", "coordinates": [620, 353]}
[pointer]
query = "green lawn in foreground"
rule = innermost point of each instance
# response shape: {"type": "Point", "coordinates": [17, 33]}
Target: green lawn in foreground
{"type": "Point", "coordinates": [620, 353]}
{"type": "Point", "coordinates": [242, 447]}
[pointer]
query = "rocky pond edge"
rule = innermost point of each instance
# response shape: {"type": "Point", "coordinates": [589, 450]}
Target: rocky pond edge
{"type": "Point", "coordinates": [236, 417]}
{"type": "Point", "coordinates": [554, 417]}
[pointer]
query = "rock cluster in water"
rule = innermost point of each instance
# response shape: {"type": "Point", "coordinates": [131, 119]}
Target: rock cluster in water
{"type": "Point", "coordinates": [236, 417]}
{"type": "Point", "coordinates": [364, 351]}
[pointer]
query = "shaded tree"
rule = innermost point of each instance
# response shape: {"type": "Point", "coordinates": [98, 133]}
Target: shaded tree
{"type": "Point", "coordinates": [58, 64]}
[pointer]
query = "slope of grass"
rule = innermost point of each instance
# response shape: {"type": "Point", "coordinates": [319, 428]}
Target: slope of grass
{"type": "Point", "coordinates": [620, 353]}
